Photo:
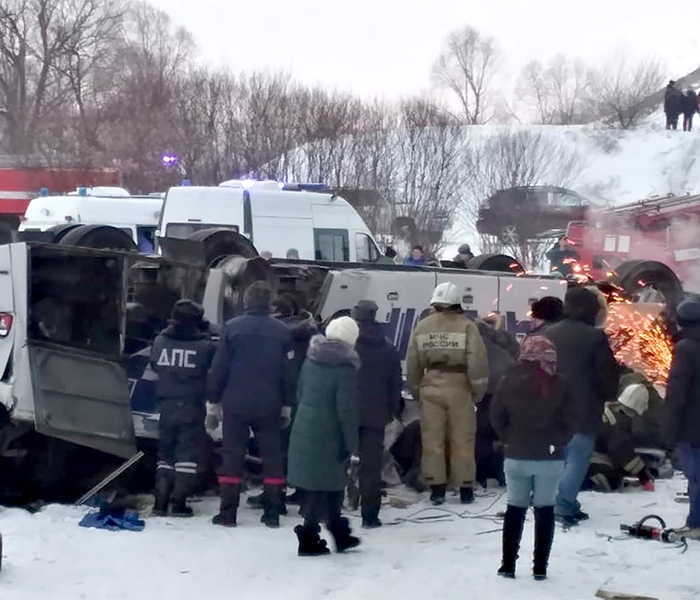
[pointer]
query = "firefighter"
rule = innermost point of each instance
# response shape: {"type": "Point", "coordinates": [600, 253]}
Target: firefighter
{"type": "Point", "coordinates": [180, 357]}
{"type": "Point", "coordinates": [561, 257]}
{"type": "Point", "coordinates": [615, 457]}
{"type": "Point", "coordinates": [447, 371]}
{"type": "Point", "coordinates": [253, 376]}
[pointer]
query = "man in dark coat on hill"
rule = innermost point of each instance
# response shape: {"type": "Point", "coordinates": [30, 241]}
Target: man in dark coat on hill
{"type": "Point", "coordinates": [253, 376]}
{"type": "Point", "coordinates": [689, 106]}
{"type": "Point", "coordinates": [591, 376]}
{"type": "Point", "coordinates": [673, 99]}
{"type": "Point", "coordinates": [379, 400]}
{"type": "Point", "coordinates": [682, 417]}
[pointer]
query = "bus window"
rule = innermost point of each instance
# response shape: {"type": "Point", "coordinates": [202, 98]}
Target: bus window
{"type": "Point", "coordinates": [365, 248]}
{"type": "Point", "coordinates": [183, 231]}
{"type": "Point", "coordinates": [332, 245]}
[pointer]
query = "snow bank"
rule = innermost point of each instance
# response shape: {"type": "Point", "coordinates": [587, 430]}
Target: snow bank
{"type": "Point", "coordinates": [48, 556]}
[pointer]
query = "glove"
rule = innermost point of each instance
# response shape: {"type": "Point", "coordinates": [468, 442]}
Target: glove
{"type": "Point", "coordinates": [354, 459]}
{"type": "Point", "coordinates": [286, 416]}
{"type": "Point", "coordinates": [214, 416]}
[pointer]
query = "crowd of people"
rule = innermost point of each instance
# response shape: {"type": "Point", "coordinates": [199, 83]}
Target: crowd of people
{"type": "Point", "coordinates": [679, 102]}
{"type": "Point", "coordinates": [318, 401]}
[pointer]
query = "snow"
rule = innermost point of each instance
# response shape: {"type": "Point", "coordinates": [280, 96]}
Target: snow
{"type": "Point", "coordinates": [47, 555]}
{"type": "Point", "coordinates": [616, 167]}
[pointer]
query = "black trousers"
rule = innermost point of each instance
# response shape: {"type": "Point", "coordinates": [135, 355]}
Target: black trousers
{"type": "Point", "coordinates": [688, 122]}
{"type": "Point", "coordinates": [267, 434]}
{"type": "Point", "coordinates": [371, 459]}
{"type": "Point", "coordinates": [672, 121]}
{"type": "Point", "coordinates": [179, 434]}
{"type": "Point", "coordinates": [321, 507]}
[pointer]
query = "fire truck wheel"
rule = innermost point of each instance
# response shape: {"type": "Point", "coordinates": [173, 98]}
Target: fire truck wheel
{"type": "Point", "coordinates": [58, 232]}
{"type": "Point", "coordinates": [495, 262]}
{"type": "Point", "coordinates": [102, 237]}
{"type": "Point", "coordinates": [640, 278]}
{"type": "Point", "coordinates": [220, 243]}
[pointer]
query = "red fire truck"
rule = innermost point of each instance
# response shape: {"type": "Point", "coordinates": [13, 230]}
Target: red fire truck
{"type": "Point", "coordinates": [647, 246]}
{"type": "Point", "coordinates": [18, 185]}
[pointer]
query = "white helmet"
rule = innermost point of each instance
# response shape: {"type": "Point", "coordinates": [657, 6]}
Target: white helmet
{"type": "Point", "coordinates": [446, 294]}
{"type": "Point", "coordinates": [635, 397]}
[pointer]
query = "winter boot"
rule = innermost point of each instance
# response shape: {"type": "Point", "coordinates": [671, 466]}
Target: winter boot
{"type": "Point", "coordinates": [310, 542]}
{"type": "Point", "coordinates": [184, 483]}
{"type": "Point", "coordinates": [230, 497]}
{"type": "Point", "coordinates": [273, 505]}
{"type": "Point", "coordinates": [437, 496]}
{"type": "Point", "coordinates": [340, 530]}
{"type": "Point", "coordinates": [466, 495]}
{"type": "Point", "coordinates": [544, 535]}
{"type": "Point", "coordinates": [256, 501]}
{"type": "Point", "coordinates": [370, 517]}
{"type": "Point", "coordinates": [512, 533]}
{"type": "Point", "coordinates": [165, 481]}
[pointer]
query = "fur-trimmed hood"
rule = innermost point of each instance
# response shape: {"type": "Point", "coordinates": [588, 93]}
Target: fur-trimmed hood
{"type": "Point", "coordinates": [332, 352]}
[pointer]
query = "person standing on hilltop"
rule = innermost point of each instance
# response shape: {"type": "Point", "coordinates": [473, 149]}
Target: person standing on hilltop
{"type": "Point", "coordinates": [690, 107]}
{"type": "Point", "coordinates": [672, 105]}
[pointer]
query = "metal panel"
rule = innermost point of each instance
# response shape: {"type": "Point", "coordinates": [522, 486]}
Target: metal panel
{"type": "Point", "coordinates": [82, 399]}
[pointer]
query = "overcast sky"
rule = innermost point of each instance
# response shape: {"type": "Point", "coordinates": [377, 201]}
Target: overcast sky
{"type": "Point", "coordinates": [386, 47]}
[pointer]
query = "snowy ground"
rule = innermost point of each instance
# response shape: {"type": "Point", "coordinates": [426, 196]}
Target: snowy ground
{"type": "Point", "coordinates": [48, 556]}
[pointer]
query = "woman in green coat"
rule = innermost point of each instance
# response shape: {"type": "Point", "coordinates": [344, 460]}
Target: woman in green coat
{"type": "Point", "coordinates": [324, 435]}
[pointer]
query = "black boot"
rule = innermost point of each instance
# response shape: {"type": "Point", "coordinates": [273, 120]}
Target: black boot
{"type": "Point", "coordinates": [544, 536]}
{"type": "Point", "coordinates": [340, 530]}
{"type": "Point", "coordinates": [512, 533]}
{"type": "Point", "coordinates": [256, 501]}
{"type": "Point", "coordinates": [294, 498]}
{"type": "Point", "coordinates": [273, 505]}
{"type": "Point", "coordinates": [184, 483]}
{"type": "Point", "coordinates": [466, 495]}
{"type": "Point", "coordinates": [165, 481]}
{"type": "Point", "coordinates": [370, 517]}
{"type": "Point", "coordinates": [437, 496]}
{"type": "Point", "coordinates": [230, 497]}
{"type": "Point", "coordinates": [310, 542]}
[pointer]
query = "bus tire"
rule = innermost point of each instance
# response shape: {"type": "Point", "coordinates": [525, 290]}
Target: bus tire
{"type": "Point", "coordinates": [99, 237]}
{"type": "Point", "coordinates": [501, 263]}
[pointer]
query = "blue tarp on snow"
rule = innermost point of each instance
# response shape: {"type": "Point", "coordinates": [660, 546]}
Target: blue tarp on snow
{"type": "Point", "coordinates": [114, 520]}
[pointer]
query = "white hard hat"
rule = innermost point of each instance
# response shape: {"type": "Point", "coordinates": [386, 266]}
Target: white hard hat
{"type": "Point", "coordinates": [343, 329]}
{"type": "Point", "coordinates": [635, 397]}
{"type": "Point", "coordinates": [446, 294]}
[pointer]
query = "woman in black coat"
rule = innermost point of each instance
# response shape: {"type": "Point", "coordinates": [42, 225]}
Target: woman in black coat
{"type": "Point", "coordinates": [532, 415]}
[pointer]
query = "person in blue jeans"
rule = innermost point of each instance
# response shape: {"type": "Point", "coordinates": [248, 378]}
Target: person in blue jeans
{"type": "Point", "coordinates": [532, 413]}
{"type": "Point", "coordinates": [682, 407]}
{"type": "Point", "coordinates": [591, 376]}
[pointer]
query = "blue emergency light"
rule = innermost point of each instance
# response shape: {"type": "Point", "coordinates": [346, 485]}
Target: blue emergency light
{"type": "Point", "coordinates": [82, 191]}
{"type": "Point", "coordinates": [185, 183]}
{"type": "Point", "coordinates": [305, 187]}
{"type": "Point", "coordinates": [44, 192]}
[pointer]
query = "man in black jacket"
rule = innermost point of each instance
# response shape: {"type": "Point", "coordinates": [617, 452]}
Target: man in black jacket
{"type": "Point", "coordinates": [379, 400]}
{"type": "Point", "coordinates": [672, 105]}
{"type": "Point", "coordinates": [562, 256]}
{"type": "Point", "coordinates": [545, 312]}
{"type": "Point", "coordinates": [682, 416]}
{"type": "Point", "coordinates": [253, 377]}
{"type": "Point", "coordinates": [689, 104]}
{"type": "Point", "coordinates": [591, 376]}
{"type": "Point", "coordinates": [181, 357]}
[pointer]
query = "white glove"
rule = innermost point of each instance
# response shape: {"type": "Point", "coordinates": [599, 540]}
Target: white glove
{"type": "Point", "coordinates": [214, 416]}
{"type": "Point", "coordinates": [286, 416]}
{"type": "Point", "coordinates": [354, 459]}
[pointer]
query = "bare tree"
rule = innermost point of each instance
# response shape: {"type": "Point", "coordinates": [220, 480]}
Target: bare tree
{"type": "Point", "coordinates": [558, 92]}
{"type": "Point", "coordinates": [510, 159]}
{"type": "Point", "coordinates": [466, 68]}
{"type": "Point", "coordinates": [618, 90]}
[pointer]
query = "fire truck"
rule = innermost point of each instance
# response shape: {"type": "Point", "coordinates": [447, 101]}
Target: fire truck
{"type": "Point", "coordinates": [650, 248]}
{"type": "Point", "coordinates": [19, 185]}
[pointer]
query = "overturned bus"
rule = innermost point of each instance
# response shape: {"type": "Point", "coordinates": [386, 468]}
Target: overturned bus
{"type": "Point", "coordinates": [76, 324]}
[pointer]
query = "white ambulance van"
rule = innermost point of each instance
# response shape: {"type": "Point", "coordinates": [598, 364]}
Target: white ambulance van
{"type": "Point", "coordinates": [276, 218]}
{"type": "Point", "coordinates": [137, 215]}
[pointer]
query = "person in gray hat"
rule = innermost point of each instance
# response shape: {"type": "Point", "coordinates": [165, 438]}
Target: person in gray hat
{"type": "Point", "coordinates": [379, 401]}
{"type": "Point", "coordinates": [464, 255]}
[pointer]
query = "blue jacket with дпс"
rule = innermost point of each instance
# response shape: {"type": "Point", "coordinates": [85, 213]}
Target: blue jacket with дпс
{"type": "Point", "coordinates": [253, 371]}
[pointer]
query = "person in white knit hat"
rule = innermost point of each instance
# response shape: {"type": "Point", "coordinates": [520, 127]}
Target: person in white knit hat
{"type": "Point", "coordinates": [325, 434]}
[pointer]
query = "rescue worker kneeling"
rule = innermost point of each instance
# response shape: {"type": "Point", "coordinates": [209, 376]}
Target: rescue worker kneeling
{"type": "Point", "coordinates": [447, 370]}
{"type": "Point", "coordinates": [615, 457]}
{"type": "Point", "coordinates": [181, 356]}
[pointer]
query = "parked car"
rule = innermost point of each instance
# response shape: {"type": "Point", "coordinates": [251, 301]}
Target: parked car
{"type": "Point", "coordinates": [524, 212]}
